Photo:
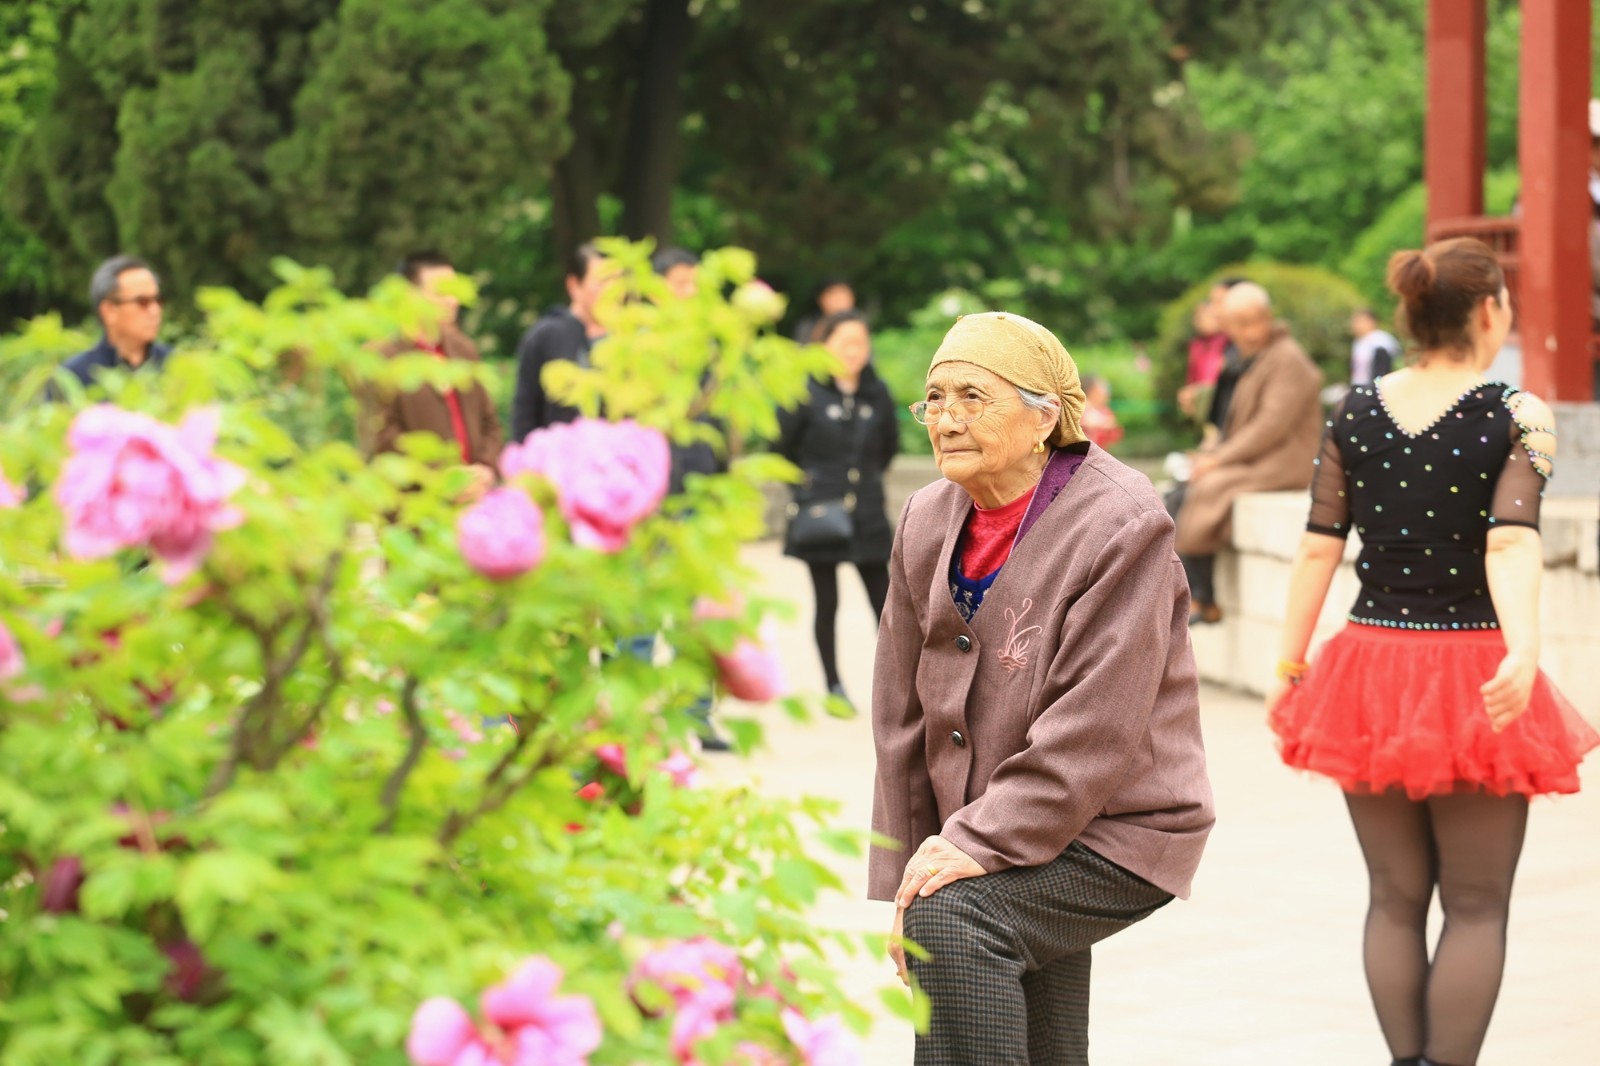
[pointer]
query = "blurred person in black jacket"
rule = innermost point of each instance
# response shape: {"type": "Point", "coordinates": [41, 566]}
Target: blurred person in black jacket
{"type": "Point", "coordinates": [842, 438]}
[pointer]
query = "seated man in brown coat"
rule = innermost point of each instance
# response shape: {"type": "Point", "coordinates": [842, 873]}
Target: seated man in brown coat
{"type": "Point", "coordinates": [1268, 442]}
{"type": "Point", "coordinates": [465, 416]}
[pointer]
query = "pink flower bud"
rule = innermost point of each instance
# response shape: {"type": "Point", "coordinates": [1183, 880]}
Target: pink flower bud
{"type": "Point", "coordinates": [681, 767]}
{"type": "Point", "coordinates": [188, 971]}
{"type": "Point", "coordinates": [613, 758]}
{"type": "Point", "coordinates": [59, 890]}
{"type": "Point", "coordinates": [10, 495]}
{"type": "Point", "coordinates": [11, 661]}
{"type": "Point", "coordinates": [758, 301]}
{"type": "Point", "coordinates": [751, 672]}
{"type": "Point", "coordinates": [502, 535]}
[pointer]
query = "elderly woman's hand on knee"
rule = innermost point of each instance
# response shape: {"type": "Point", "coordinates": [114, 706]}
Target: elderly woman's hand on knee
{"type": "Point", "coordinates": [936, 864]}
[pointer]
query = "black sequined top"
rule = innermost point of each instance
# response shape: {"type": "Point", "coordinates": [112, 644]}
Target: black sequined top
{"type": "Point", "coordinates": [1424, 503]}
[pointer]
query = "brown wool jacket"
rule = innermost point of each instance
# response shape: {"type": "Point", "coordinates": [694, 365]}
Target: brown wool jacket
{"type": "Point", "coordinates": [386, 417]}
{"type": "Point", "coordinates": [1073, 689]}
{"type": "Point", "coordinates": [1270, 442]}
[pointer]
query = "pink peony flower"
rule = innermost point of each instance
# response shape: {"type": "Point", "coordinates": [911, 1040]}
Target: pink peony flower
{"type": "Point", "coordinates": [613, 758]}
{"type": "Point", "coordinates": [546, 1029]}
{"type": "Point", "coordinates": [502, 535]}
{"type": "Point", "coordinates": [134, 482]}
{"type": "Point", "coordinates": [699, 969]}
{"type": "Point", "coordinates": [441, 1030]}
{"type": "Point", "coordinates": [609, 476]}
{"type": "Point", "coordinates": [825, 1042]}
{"type": "Point", "coordinates": [11, 661]}
{"type": "Point", "coordinates": [696, 1020]}
{"type": "Point", "coordinates": [10, 495]}
{"type": "Point", "coordinates": [680, 765]}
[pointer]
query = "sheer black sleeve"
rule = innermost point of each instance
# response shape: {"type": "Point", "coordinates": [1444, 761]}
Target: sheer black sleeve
{"type": "Point", "coordinates": [1330, 501]}
{"type": "Point", "coordinates": [1520, 487]}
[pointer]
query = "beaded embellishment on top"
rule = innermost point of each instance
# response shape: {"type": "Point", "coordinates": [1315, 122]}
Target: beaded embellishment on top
{"type": "Point", "coordinates": [1424, 501]}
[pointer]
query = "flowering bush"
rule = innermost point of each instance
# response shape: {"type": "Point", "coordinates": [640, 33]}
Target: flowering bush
{"type": "Point", "coordinates": [319, 775]}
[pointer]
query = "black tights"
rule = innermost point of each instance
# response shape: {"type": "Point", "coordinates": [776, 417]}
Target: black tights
{"type": "Point", "coordinates": [825, 582]}
{"type": "Point", "coordinates": [1468, 845]}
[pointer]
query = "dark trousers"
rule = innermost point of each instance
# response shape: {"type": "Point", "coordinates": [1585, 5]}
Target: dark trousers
{"type": "Point", "coordinates": [1201, 571]}
{"type": "Point", "coordinates": [825, 583]}
{"type": "Point", "coordinates": [1008, 969]}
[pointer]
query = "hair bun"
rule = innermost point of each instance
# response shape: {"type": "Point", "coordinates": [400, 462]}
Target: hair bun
{"type": "Point", "coordinates": [1411, 274]}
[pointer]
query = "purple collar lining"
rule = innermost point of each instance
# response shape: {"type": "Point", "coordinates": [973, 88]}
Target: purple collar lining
{"type": "Point", "coordinates": [1057, 472]}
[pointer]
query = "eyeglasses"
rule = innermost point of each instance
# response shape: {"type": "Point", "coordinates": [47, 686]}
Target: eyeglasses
{"type": "Point", "coordinates": [928, 412]}
{"type": "Point", "coordinates": [143, 303]}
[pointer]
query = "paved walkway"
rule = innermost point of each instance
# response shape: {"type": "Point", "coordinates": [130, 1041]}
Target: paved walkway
{"type": "Point", "coordinates": [1263, 965]}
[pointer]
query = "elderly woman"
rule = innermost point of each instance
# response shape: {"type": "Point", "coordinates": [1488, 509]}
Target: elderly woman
{"type": "Point", "coordinates": [1034, 706]}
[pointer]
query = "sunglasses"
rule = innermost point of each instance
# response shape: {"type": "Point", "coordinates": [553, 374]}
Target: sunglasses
{"type": "Point", "coordinates": [143, 303]}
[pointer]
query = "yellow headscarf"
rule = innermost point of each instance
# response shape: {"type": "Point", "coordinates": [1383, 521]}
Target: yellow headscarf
{"type": "Point", "coordinates": [1024, 353]}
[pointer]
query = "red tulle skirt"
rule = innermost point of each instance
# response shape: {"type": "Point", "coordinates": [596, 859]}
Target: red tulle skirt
{"type": "Point", "coordinates": [1388, 709]}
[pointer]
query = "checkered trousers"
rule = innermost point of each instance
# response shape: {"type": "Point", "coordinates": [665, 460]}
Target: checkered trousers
{"type": "Point", "coordinates": [1008, 968]}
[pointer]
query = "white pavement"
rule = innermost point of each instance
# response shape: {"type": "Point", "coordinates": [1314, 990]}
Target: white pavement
{"type": "Point", "coordinates": [1262, 967]}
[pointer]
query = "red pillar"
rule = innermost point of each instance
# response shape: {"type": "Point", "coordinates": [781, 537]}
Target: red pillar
{"type": "Point", "coordinates": [1554, 149]}
{"type": "Point", "coordinates": [1453, 156]}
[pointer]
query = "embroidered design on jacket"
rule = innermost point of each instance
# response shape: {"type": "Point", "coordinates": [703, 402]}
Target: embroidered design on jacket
{"type": "Point", "coordinates": [1014, 655]}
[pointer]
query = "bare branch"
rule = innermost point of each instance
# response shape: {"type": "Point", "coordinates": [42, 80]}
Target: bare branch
{"type": "Point", "coordinates": [418, 740]}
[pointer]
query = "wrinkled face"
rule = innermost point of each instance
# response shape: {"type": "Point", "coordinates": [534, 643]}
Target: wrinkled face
{"type": "Point", "coordinates": [836, 298]}
{"type": "Point", "coordinates": [998, 440]}
{"type": "Point", "coordinates": [851, 344]}
{"type": "Point", "coordinates": [132, 313]}
{"type": "Point", "coordinates": [584, 292]}
{"type": "Point", "coordinates": [1247, 326]}
{"type": "Point", "coordinates": [431, 280]}
{"type": "Point", "coordinates": [682, 280]}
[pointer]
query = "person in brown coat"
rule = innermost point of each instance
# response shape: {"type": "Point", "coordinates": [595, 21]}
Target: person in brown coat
{"type": "Point", "coordinates": [1268, 441]}
{"type": "Point", "coordinates": [466, 416]}
{"type": "Point", "coordinates": [1035, 706]}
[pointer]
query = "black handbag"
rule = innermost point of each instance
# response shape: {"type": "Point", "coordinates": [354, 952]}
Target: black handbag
{"type": "Point", "coordinates": [822, 525]}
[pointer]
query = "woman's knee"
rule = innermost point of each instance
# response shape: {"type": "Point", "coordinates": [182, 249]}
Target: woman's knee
{"type": "Point", "coordinates": [1401, 897]}
{"type": "Point", "coordinates": [1474, 899]}
{"type": "Point", "coordinates": [955, 922]}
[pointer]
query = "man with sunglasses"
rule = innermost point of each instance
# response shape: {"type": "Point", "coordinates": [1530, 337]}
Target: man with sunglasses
{"type": "Point", "coordinates": [126, 295]}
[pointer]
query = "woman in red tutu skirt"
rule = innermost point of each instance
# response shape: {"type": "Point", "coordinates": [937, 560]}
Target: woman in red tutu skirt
{"type": "Point", "coordinates": [1429, 708]}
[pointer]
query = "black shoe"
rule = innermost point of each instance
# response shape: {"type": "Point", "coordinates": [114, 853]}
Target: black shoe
{"type": "Point", "coordinates": [711, 740]}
